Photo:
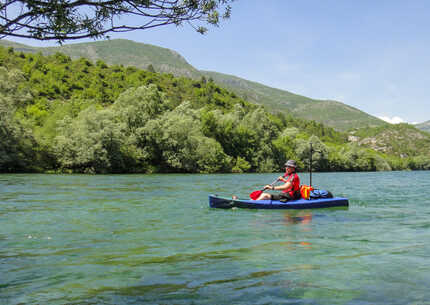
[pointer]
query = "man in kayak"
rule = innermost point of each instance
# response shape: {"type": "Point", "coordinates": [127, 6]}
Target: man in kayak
{"type": "Point", "coordinates": [289, 190]}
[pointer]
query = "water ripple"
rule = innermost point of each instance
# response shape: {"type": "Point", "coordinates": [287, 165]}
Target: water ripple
{"type": "Point", "coordinates": [151, 239]}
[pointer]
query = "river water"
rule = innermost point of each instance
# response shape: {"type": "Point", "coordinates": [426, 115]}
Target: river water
{"type": "Point", "coordinates": [152, 239]}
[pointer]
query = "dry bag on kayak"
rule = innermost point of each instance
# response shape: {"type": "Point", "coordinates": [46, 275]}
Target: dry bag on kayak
{"type": "Point", "coordinates": [305, 191]}
{"type": "Point", "coordinates": [316, 194]}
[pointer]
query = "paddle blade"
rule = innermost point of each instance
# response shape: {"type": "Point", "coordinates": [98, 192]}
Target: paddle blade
{"type": "Point", "coordinates": [255, 194]}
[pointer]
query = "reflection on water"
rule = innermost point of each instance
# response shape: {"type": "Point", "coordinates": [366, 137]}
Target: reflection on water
{"type": "Point", "coordinates": [300, 217]}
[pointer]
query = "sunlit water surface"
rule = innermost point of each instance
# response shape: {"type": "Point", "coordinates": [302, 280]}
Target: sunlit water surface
{"type": "Point", "coordinates": [136, 239]}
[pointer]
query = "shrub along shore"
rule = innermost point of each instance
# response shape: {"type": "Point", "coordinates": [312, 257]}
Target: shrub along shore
{"type": "Point", "coordinates": [75, 116]}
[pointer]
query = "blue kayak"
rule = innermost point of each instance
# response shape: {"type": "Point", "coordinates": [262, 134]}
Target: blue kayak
{"type": "Point", "coordinates": [228, 203]}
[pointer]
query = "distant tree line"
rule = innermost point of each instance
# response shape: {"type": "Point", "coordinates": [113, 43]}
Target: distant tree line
{"type": "Point", "coordinates": [75, 116]}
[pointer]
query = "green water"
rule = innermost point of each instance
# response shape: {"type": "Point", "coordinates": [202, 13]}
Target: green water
{"type": "Point", "coordinates": [152, 239]}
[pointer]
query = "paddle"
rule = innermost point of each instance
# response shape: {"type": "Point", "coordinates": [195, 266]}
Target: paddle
{"type": "Point", "coordinates": [255, 194]}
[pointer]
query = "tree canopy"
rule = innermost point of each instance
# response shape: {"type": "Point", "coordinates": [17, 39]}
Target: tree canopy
{"type": "Point", "coordinates": [78, 116]}
{"type": "Point", "coordinates": [63, 20]}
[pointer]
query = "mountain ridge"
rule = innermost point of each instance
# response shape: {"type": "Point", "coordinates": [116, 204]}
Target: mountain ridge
{"type": "Point", "coordinates": [141, 55]}
{"type": "Point", "coordinates": [45, 92]}
{"type": "Point", "coordinates": [425, 126]}
{"type": "Point", "coordinates": [304, 107]}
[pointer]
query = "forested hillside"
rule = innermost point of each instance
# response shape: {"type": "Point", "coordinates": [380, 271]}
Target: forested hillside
{"type": "Point", "coordinates": [331, 113]}
{"type": "Point", "coordinates": [121, 52]}
{"type": "Point", "coordinates": [401, 140]}
{"type": "Point", "coordinates": [145, 56]}
{"type": "Point", "coordinates": [64, 115]}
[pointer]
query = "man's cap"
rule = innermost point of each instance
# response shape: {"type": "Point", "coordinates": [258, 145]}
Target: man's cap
{"type": "Point", "coordinates": [291, 163]}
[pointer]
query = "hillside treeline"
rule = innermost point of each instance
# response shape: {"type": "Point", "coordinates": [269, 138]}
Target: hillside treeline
{"type": "Point", "coordinates": [63, 115]}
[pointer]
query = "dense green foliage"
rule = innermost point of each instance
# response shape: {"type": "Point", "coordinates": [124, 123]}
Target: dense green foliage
{"type": "Point", "coordinates": [59, 114]}
{"type": "Point", "coordinates": [399, 139]}
{"type": "Point", "coordinates": [16, 141]}
{"type": "Point", "coordinates": [331, 113]}
{"type": "Point", "coordinates": [129, 53]}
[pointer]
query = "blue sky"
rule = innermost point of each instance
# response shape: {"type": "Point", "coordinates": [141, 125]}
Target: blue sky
{"type": "Point", "coordinates": [372, 55]}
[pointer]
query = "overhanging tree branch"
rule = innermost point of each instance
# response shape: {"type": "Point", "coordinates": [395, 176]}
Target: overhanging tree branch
{"type": "Point", "coordinates": [68, 20]}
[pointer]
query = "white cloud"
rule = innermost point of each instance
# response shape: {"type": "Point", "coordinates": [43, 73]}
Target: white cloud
{"type": "Point", "coordinates": [393, 120]}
